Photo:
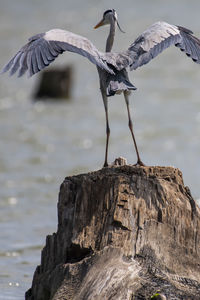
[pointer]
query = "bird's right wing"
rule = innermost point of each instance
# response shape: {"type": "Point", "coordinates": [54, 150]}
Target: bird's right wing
{"type": "Point", "coordinates": [43, 48]}
{"type": "Point", "coordinates": [157, 38]}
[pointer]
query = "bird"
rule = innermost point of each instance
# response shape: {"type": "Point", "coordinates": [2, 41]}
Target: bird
{"type": "Point", "coordinates": [43, 48]}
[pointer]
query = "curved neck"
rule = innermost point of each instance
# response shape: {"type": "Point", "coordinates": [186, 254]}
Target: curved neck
{"type": "Point", "coordinates": [110, 39]}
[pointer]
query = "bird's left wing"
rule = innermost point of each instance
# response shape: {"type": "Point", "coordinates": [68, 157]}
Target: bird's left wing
{"type": "Point", "coordinates": [43, 48]}
{"type": "Point", "coordinates": [157, 38]}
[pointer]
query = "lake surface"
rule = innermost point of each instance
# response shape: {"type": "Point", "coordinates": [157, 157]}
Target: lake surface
{"type": "Point", "coordinates": [43, 142]}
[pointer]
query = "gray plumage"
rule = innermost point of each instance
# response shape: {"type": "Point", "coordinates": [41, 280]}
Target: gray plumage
{"type": "Point", "coordinates": [42, 49]}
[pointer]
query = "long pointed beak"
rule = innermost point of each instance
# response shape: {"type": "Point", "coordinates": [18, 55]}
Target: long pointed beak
{"type": "Point", "coordinates": [101, 23]}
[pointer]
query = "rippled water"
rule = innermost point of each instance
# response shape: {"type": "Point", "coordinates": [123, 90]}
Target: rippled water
{"type": "Point", "coordinates": [41, 143]}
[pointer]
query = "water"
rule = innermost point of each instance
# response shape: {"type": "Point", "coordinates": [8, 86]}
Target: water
{"type": "Point", "coordinates": [41, 143]}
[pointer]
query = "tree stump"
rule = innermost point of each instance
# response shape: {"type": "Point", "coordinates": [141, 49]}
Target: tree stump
{"type": "Point", "coordinates": [55, 83]}
{"type": "Point", "coordinates": [124, 232]}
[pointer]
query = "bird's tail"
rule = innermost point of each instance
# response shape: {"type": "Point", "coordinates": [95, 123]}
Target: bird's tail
{"type": "Point", "coordinates": [118, 83]}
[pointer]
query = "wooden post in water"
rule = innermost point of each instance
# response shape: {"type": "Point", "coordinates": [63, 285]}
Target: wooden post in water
{"type": "Point", "coordinates": [55, 83]}
{"type": "Point", "coordinates": [124, 232]}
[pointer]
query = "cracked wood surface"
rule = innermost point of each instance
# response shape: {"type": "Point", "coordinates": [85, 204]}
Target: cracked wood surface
{"type": "Point", "coordinates": [124, 232]}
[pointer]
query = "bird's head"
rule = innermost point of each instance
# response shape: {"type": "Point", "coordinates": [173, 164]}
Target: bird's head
{"type": "Point", "coordinates": [109, 17]}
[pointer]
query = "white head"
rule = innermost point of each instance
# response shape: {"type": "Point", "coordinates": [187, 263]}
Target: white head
{"type": "Point", "coordinates": [109, 17]}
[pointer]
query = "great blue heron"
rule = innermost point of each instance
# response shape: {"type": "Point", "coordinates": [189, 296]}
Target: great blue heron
{"type": "Point", "coordinates": [43, 48]}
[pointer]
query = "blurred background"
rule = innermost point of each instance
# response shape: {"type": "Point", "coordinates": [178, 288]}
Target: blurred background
{"type": "Point", "coordinates": [43, 142]}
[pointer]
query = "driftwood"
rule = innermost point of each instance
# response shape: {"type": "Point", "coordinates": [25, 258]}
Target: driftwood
{"type": "Point", "coordinates": [124, 232]}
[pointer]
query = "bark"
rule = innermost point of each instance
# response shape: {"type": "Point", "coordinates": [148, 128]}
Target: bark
{"type": "Point", "coordinates": [124, 232]}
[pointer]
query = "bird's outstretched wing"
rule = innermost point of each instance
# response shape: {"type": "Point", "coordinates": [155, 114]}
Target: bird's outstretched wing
{"type": "Point", "coordinates": [43, 48]}
{"type": "Point", "coordinates": [157, 38]}
{"type": "Point", "coordinates": [152, 42]}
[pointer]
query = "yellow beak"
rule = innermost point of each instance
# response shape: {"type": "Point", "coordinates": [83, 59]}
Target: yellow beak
{"type": "Point", "coordinates": [101, 23]}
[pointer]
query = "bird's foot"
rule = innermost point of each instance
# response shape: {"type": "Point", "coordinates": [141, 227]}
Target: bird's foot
{"type": "Point", "coordinates": [139, 164]}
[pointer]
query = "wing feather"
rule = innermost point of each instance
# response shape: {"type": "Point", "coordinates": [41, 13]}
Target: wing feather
{"type": "Point", "coordinates": [40, 62]}
{"type": "Point", "coordinates": [16, 63]}
{"type": "Point", "coordinates": [29, 64]}
{"type": "Point", "coordinates": [56, 47]}
{"type": "Point", "coordinates": [34, 62]}
{"type": "Point", "coordinates": [189, 44]}
{"type": "Point", "coordinates": [23, 65]}
{"type": "Point", "coordinates": [9, 64]}
{"type": "Point", "coordinates": [44, 58]}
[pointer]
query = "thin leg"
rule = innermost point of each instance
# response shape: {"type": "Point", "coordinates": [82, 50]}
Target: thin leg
{"type": "Point", "coordinates": [130, 124]}
{"type": "Point", "coordinates": [105, 101]}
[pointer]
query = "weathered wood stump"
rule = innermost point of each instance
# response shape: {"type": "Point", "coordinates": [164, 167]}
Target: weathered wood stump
{"type": "Point", "coordinates": [55, 83]}
{"type": "Point", "coordinates": [124, 232]}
